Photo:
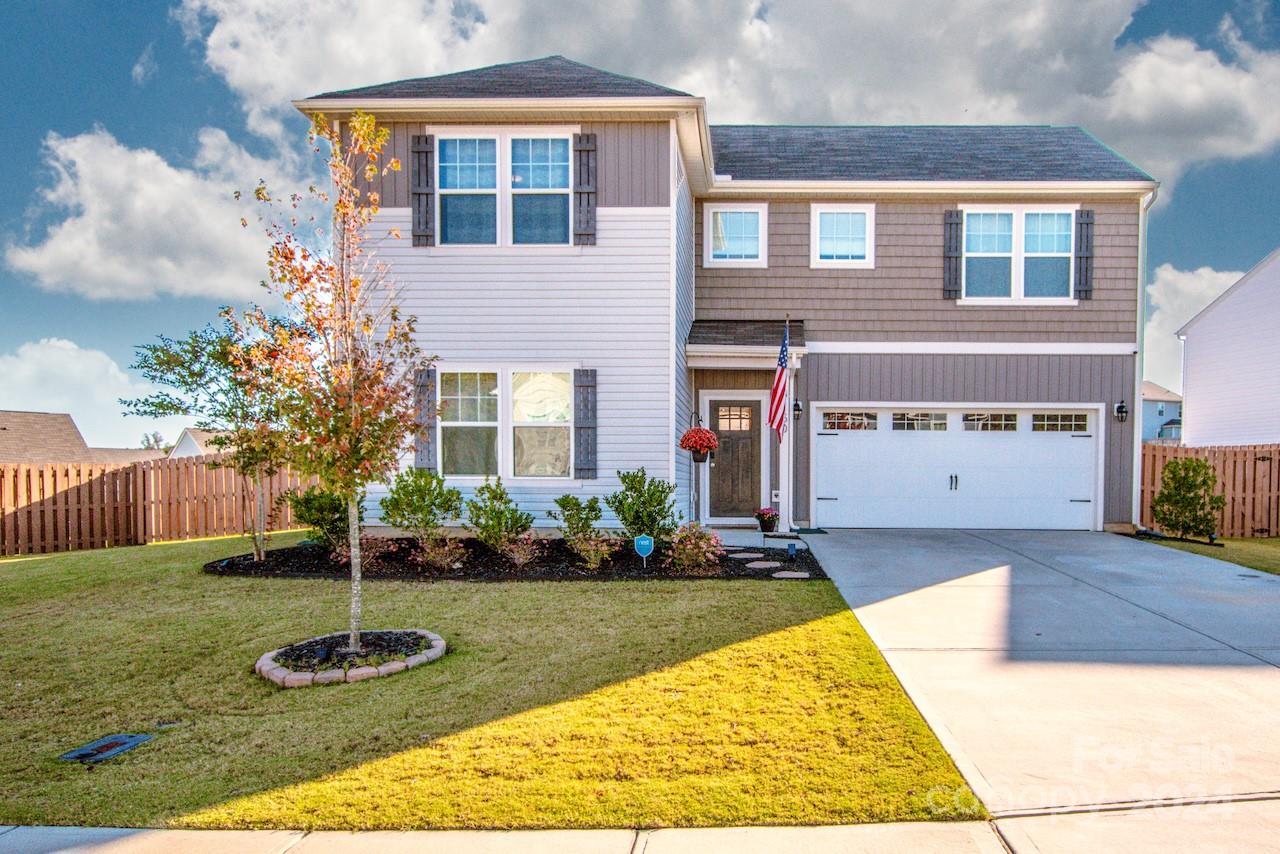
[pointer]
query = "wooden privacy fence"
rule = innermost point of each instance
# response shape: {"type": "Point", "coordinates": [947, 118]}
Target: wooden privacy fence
{"type": "Point", "coordinates": [64, 506]}
{"type": "Point", "coordinates": [1248, 476]}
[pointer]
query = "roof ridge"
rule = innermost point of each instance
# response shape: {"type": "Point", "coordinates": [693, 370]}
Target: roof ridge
{"type": "Point", "coordinates": [839, 126]}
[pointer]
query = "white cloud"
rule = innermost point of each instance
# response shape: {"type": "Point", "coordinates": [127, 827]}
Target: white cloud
{"type": "Point", "coordinates": [1166, 103]}
{"type": "Point", "coordinates": [1176, 297]}
{"type": "Point", "coordinates": [146, 66]}
{"type": "Point", "coordinates": [134, 226]}
{"type": "Point", "coordinates": [56, 375]}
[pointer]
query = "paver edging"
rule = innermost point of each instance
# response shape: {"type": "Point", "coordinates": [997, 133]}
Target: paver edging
{"type": "Point", "coordinates": [272, 671]}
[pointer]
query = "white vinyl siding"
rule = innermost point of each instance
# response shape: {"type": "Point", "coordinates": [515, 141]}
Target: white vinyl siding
{"type": "Point", "coordinates": [606, 307]}
{"type": "Point", "coordinates": [684, 273]}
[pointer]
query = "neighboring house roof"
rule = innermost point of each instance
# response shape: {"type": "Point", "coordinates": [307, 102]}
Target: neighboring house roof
{"type": "Point", "coordinates": [200, 438]}
{"type": "Point", "coordinates": [52, 437]}
{"type": "Point", "coordinates": [548, 77]}
{"type": "Point", "coordinates": [745, 333]}
{"type": "Point", "coordinates": [916, 153]}
{"type": "Point", "coordinates": [1151, 391]}
{"type": "Point", "coordinates": [1273, 258]}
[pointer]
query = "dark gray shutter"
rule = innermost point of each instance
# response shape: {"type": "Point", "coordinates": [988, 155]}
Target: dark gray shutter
{"type": "Point", "coordinates": [1084, 255]}
{"type": "Point", "coordinates": [952, 253]}
{"type": "Point", "coordinates": [584, 423]}
{"type": "Point", "coordinates": [584, 190]}
{"type": "Point", "coordinates": [425, 402]}
{"type": "Point", "coordinates": [422, 194]}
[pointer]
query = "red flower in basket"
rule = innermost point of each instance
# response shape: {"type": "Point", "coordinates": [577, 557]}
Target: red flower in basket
{"type": "Point", "coordinates": [699, 440]}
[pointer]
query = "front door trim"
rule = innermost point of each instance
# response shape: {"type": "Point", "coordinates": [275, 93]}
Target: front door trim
{"type": "Point", "coordinates": [705, 396]}
{"type": "Point", "coordinates": [1100, 411]}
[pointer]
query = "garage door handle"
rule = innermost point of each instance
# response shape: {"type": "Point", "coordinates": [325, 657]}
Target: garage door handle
{"type": "Point", "coordinates": [827, 434]}
{"type": "Point", "coordinates": [825, 498]}
{"type": "Point", "coordinates": [1080, 500]}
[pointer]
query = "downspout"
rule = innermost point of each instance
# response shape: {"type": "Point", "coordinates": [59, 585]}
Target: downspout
{"type": "Point", "coordinates": [1136, 508]}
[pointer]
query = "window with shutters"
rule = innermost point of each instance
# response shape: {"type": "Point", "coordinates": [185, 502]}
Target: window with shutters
{"type": "Point", "coordinates": [1018, 254]}
{"type": "Point", "coordinates": [842, 236]}
{"type": "Point", "coordinates": [516, 423]}
{"type": "Point", "coordinates": [735, 235]}
{"type": "Point", "coordinates": [508, 188]}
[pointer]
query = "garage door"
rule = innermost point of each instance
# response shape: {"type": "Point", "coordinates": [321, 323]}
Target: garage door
{"type": "Point", "coordinates": [955, 468]}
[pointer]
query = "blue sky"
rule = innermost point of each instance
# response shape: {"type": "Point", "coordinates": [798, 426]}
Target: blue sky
{"type": "Point", "coordinates": [129, 124]}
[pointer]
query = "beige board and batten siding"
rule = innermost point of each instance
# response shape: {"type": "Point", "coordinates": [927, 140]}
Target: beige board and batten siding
{"type": "Point", "coordinates": [901, 299]}
{"type": "Point", "coordinates": [632, 167]}
{"type": "Point", "coordinates": [955, 379]}
{"type": "Point", "coordinates": [605, 307]}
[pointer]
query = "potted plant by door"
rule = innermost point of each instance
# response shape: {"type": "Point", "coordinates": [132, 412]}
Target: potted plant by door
{"type": "Point", "coordinates": [768, 519]}
{"type": "Point", "coordinates": [699, 441]}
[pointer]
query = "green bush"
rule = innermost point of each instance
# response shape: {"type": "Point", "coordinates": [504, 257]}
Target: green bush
{"type": "Point", "coordinates": [694, 551]}
{"type": "Point", "coordinates": [644, 505]}
{"type": "Point", "coordinates": [419, 503]}
{"type": "Point", "coordinates": [494, 518]}
{"type": "Point", "coordinates": [1185, 505]}
{"type": "Point", "coordinates": [324, 513]}
{"type": "Point", "coordinates": [578, 526]}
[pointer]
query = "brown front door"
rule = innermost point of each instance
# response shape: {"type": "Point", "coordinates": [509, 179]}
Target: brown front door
{"type": "Point", "coordinates": [735, 468]}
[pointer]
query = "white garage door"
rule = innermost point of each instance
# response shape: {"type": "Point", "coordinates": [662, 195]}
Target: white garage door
{"type": "Point", "coordinates": [955, 468]}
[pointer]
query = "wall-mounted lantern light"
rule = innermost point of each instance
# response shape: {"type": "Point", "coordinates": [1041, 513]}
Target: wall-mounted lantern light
{"type": "Point", "coordinates": [797, 408]}
{"type": "Point", "coordinates": [1122, 412]}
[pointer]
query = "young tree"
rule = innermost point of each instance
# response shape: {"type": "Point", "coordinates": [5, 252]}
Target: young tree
{"type": "Point", "coordinates": [153, 441]}
{"type": "Point", "coordinates": [205, 381]}
{"type": "Point", "coordinates": [342, 367]}
{"type": "Point", "coordinates": [1186, 505]}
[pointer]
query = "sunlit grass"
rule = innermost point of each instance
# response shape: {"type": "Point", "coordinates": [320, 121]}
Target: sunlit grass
{"type": "Point", "coordinates": [560, 704]}
{"type": "Point", "coordinates": [1256, 553]}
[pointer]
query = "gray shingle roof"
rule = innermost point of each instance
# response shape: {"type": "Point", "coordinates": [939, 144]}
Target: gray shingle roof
{"type": "Point", "coordinates": [549, 77]}
{"type": "Point", "coordinates": [745, 333]}
{"type": "Point", "coordinates": [916, 153]}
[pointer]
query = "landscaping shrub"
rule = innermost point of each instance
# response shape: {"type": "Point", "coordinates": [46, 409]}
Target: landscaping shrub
{"type": "Point", "coordinates": [522, 549]}
{"type": "Point", "coordinates": [441, 552]}
{"type": "Point", "coordinates": [419, 503]}
{"type": "Point", "coordinates": [1185, 505]}
{"type": "Point", "coordinates": [644, 505]}
{"type": "Point", "coordinates": [494, 518]}
{"type": "Point", "coordinates": [694, 550]}
{"type": "Point", "coordinates": [578, 526]}
{"type": "Point", "coordinates": [376, 552]}
{"type": "Point", "coordinates": [325, 513]}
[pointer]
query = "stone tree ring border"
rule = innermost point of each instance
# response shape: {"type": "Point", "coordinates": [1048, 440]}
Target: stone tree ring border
{"type": "Point", "coordinates": [268, 669]}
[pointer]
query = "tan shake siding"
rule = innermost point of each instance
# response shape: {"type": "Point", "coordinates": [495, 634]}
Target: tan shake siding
{"type": "Point", "coordinates": [901, 299]}
{"type": "Point", "coordinates": [633, 167]}
{"type": "Point", "coordinates": [920, 378]}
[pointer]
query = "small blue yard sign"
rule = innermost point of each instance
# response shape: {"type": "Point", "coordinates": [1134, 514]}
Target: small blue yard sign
{"type": "Point", "coordinates": [644, 547]}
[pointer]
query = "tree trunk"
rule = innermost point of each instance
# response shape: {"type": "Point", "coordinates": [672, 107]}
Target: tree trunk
{"type": "Point", "coordinates": [260, 519]}
{"type": "Point", "coordinates": [353, 532]}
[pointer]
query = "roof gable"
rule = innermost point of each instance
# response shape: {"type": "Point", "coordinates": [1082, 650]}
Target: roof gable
{"type": "Point", "coordinates": [40, 437]}
{"type": "Point", "coordinates": [916, 153]}
{"type": "Point", "coordinates": [548, 77]}
{"type": "Point", "coordinates": [1158, 393]}
{"type": "Point", "coordinates": [1240, 284]}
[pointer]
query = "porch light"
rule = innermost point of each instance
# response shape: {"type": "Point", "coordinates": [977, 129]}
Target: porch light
{"type": "Point", "coordinates": [1122, 412]}
{"type": "Point", "coordinates": [797, 408]}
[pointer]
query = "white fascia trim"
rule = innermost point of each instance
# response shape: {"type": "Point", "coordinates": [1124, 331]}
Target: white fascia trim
{"type": "Point", "coordinates": [915, 188]}
{"type": "Point", "coordinates": [391, 106]}
{"type": "Point", "coordinates": [994, 348]}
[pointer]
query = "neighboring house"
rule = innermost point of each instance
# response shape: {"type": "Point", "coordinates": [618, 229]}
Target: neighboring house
{"type": "Point", "coordinates": [52, 437]}
{"type": "Point", "coordinates": [1161, 412]}
{"type": "Point", "coordinates": [194, 443]}
{"type": "Point", "coordinates": [1230, 350]}
{"type": "Point", "coordinates": [597, 267]}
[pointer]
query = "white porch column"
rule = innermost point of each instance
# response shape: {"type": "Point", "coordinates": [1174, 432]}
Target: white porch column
{"type": "Point", "coordinates": [786, 457]}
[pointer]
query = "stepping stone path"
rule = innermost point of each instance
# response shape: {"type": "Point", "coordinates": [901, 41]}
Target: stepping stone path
{"type": "Point", "coordinates": [789, 574]}
{"type": "Point", "coordinates": [763, 564]}
{"type": "Point", "coordinates": [746, 555]}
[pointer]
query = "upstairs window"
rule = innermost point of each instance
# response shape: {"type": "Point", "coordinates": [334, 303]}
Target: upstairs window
{"type": "Point", "coordinates": [468, 191]}
{"type": "Point", "coordinates": [735, 235]}
{"type": "Point", "coordinates": [540, 190]}
{"type": "Point", "coordinates": [842, 236]}
{"type": "Point", "coordinates": [510, 188]}
{"type": "Point", "coordinates": [1018, 253]}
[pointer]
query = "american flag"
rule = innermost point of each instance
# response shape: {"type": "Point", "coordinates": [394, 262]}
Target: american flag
{"type": "Point", "coordinates": [778, 394]}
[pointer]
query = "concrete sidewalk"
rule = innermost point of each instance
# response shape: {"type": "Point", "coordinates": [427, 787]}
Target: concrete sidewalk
{"type": "Point", "coordinates": [977, 837]}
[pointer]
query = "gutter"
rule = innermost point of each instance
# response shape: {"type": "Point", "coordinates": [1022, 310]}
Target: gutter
{"type": "Point", "coordinates": [1143, 267]}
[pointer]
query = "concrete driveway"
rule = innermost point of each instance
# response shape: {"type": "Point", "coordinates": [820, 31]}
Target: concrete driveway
{"type": "Point", "coordinates": [1071, 672]}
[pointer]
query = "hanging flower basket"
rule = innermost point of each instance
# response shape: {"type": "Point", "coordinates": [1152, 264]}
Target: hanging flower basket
{"type": "Point", "coordinates": [699, 441]}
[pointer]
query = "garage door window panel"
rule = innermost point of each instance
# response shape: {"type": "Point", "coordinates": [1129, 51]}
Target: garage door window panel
{"type": "Point", "coordinates": [840, 420]}
{"type": "Point", "coordinates": [990, 422]}
{"type": "Point", "coordinates": [1060, 422]}
{"type": "Point", "coordinates": [920, 421]}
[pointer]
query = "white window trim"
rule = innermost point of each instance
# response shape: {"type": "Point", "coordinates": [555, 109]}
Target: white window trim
{"type": "Point", "coordinates": [503, 190]}
{"type": "Point", "coordinates": [1017, 257]}
{"type": "Point", "coordinates": [709, 209]}
{"type": "Point", "coordinates": [816, 263]}
{"type": "Point", "coordinates": [506, 426]}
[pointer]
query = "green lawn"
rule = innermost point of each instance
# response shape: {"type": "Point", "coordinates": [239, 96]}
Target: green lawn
{"type": "Point", "coordinates": [560, 704]}
{"type": "Point", "coordinates": [1262, 554]}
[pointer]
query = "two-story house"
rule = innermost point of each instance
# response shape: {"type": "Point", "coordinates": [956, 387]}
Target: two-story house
{"type": "Point", "coordinates": [597, 268]}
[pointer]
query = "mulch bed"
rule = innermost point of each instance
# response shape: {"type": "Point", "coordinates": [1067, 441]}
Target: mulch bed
{"type": "Point", "coordinates": [328, 653]}
{"type": "Point", "coordinates": [555, 562]}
